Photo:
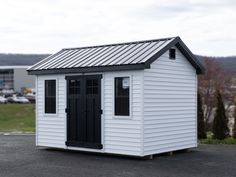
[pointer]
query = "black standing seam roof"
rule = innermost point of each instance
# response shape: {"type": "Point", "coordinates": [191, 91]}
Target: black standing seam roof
{"type": "Point", "coordinates": [112, 57]}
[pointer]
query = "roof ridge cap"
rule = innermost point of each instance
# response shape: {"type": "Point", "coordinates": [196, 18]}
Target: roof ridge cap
{"type": "Point", "coordinates": [121, 43]}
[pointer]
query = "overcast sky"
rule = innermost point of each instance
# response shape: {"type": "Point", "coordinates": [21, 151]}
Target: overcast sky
{"type": "Point", "coordinates": [208, 27]}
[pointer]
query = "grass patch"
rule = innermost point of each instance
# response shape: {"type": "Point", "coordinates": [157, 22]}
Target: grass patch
{"type": "Point", "coordinates": [214, 141]}
{"type": "Point", "coordinates": [210, 140]}
{"type": "Point", "coordinates": [17, 117]}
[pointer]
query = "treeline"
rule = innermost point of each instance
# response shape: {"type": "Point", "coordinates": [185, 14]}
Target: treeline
{"type": "Point", "coordinates": [215, 97]}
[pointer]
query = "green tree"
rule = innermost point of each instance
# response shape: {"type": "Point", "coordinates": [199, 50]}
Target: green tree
{"type": "Point", "coordinates": [234, 127]}
{"type": "Point", "coordinates": [220, 123]}
{"type": "Point", "coordinates": [200, 119]}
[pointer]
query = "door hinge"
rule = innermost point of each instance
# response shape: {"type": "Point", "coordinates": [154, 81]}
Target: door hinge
{"type": "Point", "coordinates": [66, 110]}
{"type": "Point", "coordinates": [101, 111]}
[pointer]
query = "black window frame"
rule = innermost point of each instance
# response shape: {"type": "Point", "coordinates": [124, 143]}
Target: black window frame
{"type": "Point", "coordinates": [172, 54]}
{"type": "Point", "coordinates": [125, 100]}
{"type": "Point", "coordinates": [50, 96]}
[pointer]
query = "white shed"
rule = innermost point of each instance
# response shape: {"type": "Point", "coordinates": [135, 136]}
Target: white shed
{"type": "Point", "coordinates": [136, 98]}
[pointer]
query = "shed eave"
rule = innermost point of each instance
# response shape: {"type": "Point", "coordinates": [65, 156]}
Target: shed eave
{"type": "Point", "coordinates": [139, 66]}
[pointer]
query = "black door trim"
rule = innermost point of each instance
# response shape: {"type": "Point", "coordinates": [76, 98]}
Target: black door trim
{"type": "Point", "coordinates": [82, 76]}
{"type": "Point", "coordinates": [84, 145]}
{"type": "Point", "coordinates": [73, 143]}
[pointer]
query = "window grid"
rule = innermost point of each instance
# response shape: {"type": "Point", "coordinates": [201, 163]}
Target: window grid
{"type": "Point", "coordinates": [50, 96]}
{"type": "Point", "coordinates": [122, 96]}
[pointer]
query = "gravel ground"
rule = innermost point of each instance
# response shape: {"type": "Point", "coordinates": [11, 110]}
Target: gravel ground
{"type": "Point", "coordinates": [20, 158]}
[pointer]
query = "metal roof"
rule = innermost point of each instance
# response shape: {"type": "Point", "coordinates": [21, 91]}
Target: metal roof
{"type": "Point", "coordinates": [121, 56]}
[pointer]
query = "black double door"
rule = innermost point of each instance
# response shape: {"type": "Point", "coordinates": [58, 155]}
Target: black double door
{"type": "Point", "coordinates": [84, 111]}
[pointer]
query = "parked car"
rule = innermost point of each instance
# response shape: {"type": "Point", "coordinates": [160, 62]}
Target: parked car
{"type": "Point", "coordinates": [12, 99]}
{"type": "Point", "coordinates": [23, 100]}
{"type": "Point", "coordinates": [30, 97]}
{"type": "Point", "coordinates": [3, 100]}
{"type": "Point", "coordinates": [15, 99]}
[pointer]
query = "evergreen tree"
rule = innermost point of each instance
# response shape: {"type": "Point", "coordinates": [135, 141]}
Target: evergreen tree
{"type": "Point", "coordinates": [220, 123]}
{"type": "Point", "coordinates": [200, 119]}
{"type": "Point", "coordinates": [234, 127]}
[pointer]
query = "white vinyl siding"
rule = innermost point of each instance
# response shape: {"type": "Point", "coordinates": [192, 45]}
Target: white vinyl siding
{"type": "Point", "coordinates": [169, 105]}
{"type": "Point", "coordinates": [51, 129]}
{"type": "Point", "coordinates": [122, 134]}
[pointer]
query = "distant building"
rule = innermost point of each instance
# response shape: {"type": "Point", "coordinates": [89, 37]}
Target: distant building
{"type": "Point", "coordinates": [13, 75]}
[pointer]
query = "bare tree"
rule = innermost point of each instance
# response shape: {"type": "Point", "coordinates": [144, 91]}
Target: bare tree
{"type": "Point", "coordinates": [214, 78]}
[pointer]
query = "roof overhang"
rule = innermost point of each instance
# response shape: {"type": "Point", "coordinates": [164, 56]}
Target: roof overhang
{"type": "Point", "coordinates": [88, 69]}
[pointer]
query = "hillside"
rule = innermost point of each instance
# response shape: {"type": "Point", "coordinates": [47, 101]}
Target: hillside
{"type": "Point", "coordinates": [20, 59]}
{"type": "Point", "coordinates": [228, 63]}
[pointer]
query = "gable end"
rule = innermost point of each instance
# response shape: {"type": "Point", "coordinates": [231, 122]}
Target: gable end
{"type": "Point", "coordinates": [184, 50]}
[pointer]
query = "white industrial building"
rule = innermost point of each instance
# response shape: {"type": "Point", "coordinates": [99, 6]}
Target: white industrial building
{"type": "Point", "coordinates": [13, 74]}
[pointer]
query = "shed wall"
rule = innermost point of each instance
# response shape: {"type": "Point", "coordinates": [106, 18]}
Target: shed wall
{"type": "Point", "coordinates": [120, 135]}
{"type": "Point", "coordinates": [123, 135]}
{"type": "Point", "coordinates": [170, 89]}
{"type": "Point", "coordinates": [51, 129]}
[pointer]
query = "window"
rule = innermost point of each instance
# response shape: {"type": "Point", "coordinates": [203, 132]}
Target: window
{"type": "Point", "coordinates": [50, 96]}
{"type": "Point", "coordinates": [122, 99]}
{"type": "Point", "coordinates": [6, 79]}
{"type": "Point", "coordinates": [172, 54]}
{"type": "Point", "coordinates": [74, 87]}
{"type": "Point", "coordinates": [91, 86]}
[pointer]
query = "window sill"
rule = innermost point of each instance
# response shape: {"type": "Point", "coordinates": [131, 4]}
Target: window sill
{"type": "Point", "coordinates": [122, 117]}
{"type": "Point", "coordinates": [50, 115]}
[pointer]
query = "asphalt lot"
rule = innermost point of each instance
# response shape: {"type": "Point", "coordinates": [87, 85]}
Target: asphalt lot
{"type": "Point", "coordinates": [20, 158]}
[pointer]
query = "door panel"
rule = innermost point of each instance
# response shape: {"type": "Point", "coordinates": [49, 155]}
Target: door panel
{"type": "Point", "coordinates": [74, 99]}
{"type": "Point", "coordinates": [84, 111]}
{"type": "Point", "coordinates": [93, 109]}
